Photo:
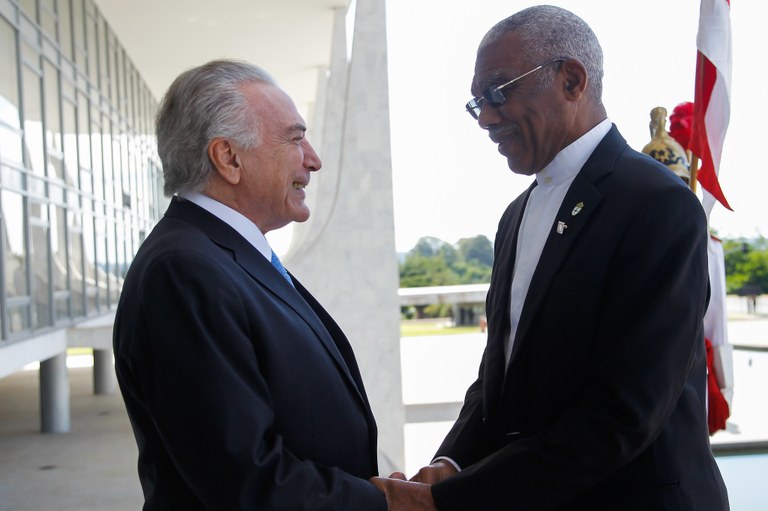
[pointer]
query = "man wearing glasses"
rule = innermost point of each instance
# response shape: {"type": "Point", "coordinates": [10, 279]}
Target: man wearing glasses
{"type": "Point", "coordinates": [591, 390]}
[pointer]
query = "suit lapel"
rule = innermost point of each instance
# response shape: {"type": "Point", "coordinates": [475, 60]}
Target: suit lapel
{"type": "Point", "coordinates": [262, 271]}
{"type": "Point", "coordinates": [579, 203]}
{"type": "Point", "coordinates": [578, 206]}
{"type": "Point", "coordinates": [498, 298]}
{"type": "Point", "coordinates": [296, 298]}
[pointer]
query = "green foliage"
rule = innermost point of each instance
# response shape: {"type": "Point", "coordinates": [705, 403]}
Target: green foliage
{"type": "Point", "coordinates": [434, 262]}
{"type": "Point", "coordinates": [478, 250]}
{"type": "Point", "coordinates": [421, 271]}
{"type": "Point", "coordinates": [746, 264]}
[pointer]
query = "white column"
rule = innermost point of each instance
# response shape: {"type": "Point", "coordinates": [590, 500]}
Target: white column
{"type": "Point", "coordinates": [346, 253]}
{"type": "Point", "coordinates": [54, 395]}
{"type": "Point", "coordinates": [103, 371]}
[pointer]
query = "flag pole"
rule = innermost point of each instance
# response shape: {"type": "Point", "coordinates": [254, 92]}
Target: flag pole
{"type": "Point", "coordinates": [694, 172]}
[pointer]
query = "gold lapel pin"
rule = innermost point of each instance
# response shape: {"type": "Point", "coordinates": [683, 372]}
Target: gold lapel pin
{"type": "Point", "coordinates": [577, 209]}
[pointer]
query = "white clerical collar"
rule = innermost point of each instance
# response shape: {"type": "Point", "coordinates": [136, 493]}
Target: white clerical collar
{"type": "Point", "coordinates": [568, 162]}
{"type": "Point", "coordinates": [234, 219]}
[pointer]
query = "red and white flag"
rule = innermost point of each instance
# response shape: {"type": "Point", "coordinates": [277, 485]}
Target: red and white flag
{"type": "Point", "coordinates": [712, 109]}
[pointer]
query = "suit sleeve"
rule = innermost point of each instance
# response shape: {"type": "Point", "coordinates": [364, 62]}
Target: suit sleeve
{"type": "Point", "coordinates": [205, 390]}
{"type": "Point", "coordinates": [647, 340]}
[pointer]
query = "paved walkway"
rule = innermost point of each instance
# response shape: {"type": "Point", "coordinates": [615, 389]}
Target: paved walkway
{"type": "Point", "coordinates": [92, 468]}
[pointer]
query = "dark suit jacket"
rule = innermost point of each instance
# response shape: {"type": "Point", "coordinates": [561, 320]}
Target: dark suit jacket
{"type": "Point", "coordinates": [243, 393]}
{"type": "Point", "coordinates": [602, 405]}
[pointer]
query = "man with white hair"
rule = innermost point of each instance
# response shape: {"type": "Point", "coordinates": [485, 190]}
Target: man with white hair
{"type": "Point", "coordinates": [243, 393]}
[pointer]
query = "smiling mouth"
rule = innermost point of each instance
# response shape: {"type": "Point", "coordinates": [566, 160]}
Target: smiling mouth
{"type": "Point", "coordinates": [500, 137]}
{"type": "Point", "coordinates": [299, 186]}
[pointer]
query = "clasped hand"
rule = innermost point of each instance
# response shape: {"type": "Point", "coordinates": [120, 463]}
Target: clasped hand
{"type": "Point", "coordinates": [416, 494]}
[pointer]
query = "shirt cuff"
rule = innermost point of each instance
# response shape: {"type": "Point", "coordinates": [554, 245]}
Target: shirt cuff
{"type": "Point", "coordinates": [449, 460]}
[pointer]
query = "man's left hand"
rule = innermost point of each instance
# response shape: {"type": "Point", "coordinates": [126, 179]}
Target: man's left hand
{"type": "Point", "coordinates": [405, 495]}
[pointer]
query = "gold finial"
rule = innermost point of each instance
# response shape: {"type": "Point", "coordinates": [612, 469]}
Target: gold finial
{"type": "Point", "coordinates": [664, 148]}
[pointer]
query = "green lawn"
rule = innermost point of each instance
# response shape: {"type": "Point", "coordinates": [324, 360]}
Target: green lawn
{"type": "Point", "coordinates": [412, 329]}
{"type": "Point", "coordinates": [79, 351]}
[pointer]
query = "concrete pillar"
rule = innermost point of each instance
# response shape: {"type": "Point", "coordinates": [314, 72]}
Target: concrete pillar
{"type": "Point", "coordinates": [103, 372]}
{"type": "Point", "coordinates": [328, 124]}
{"type": "Point", "coordinates": [346, 253]}
{"type": "Point", "coordinates": [54, 395]}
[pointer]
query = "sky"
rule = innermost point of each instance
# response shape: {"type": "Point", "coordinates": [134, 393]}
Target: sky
{"type": "Point", "coordinates": [449, 180]}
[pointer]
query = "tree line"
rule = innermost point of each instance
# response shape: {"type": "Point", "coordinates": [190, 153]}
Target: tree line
{"type": "Point", "coordinates": [746, 265]}
{"type": "Point", "coordinates": [434, 262]}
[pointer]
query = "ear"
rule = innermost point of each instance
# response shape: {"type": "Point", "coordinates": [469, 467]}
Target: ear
{"type": "Point", "coordinates": [224, 158]}
{"type": "Point", "coordinates": [575, 79]}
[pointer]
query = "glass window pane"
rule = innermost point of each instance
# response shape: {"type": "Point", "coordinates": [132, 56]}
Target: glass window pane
{"type": "Point", "coordinates": [13, 178]}
{"type": "Point", "coordinates": [89, 252]}
{"type": "Point", "coordinates": [18, 318]}
{"type": "Point", "coordinates": [10, 145]}
{"type": "Point", "coordinates": [8, 9]}
{"type": "Point", "coordinates": [53, 137]}
{"type": "Point", "coordinates": [48, 24]}
{"type": "Point", "coordinates": [76, 262]}
{"type": "Point", "coordinates": [29, 7]}
{"type": "Point", "coordinates": [36, 188]}
{"type": "Point", "coordinates": [78, 169]}
{"type": "Point", "coordinates": [56, 193]}
{"type": "Point", "coordinates": [107, 161]}
{"type": "Point", "coordinates": [70, 144]}
{"type": "Point", "coordinates": [78, 34]}
{"type": "Point", "coordinates": [48, 19]}
{"type": "Point", "coordinates": [65, 29]}
{"type": "Point", "coordinates": [33, 126]}
{"type": "Point", "coordinates": [59, 248]}
{"type": "Point", "coordinates": [103, 56]}
{"type": "Point", "coordinates": [9, 76]}
{"type": "Point", "coordinates": [83, 131]}
{"type": "Point", "coordinates": [61, 308]}
{"type": "Point", "coordinates": [97, 164]}
{"type": "Point", "coordinates": [30, 48]}
{"type": "Point", "coordinates": [102, 264]}
{"type": "Point", "coordinates": [15, 244]}
{"type": "Point", "coordinates": [92, 49]}
{"type": "Point", "coordinates": [114, 277]}
{"type": "Point", "coordinates": [41, 293]}
{"type": "Point", "coordinates": [85, 181]}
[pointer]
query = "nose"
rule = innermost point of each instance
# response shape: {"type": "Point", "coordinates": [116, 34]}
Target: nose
{"type": "Point", "coordinates": [311, 159]}
{"type": "Point", "coordinates": [489, 115]}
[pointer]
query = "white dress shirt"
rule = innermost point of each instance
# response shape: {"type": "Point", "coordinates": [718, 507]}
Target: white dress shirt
{"type": "Point", "coordinates": [553, 182]}
{"type": "Point", "coordinates": [232, 218]}
{"type": "Point", "coordinates": [543, 204]}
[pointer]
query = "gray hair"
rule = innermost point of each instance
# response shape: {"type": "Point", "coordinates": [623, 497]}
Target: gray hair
{"type": "Point", "coordinates": [548, 32]}
{"type": "Point", "coordinates": [201, 104]}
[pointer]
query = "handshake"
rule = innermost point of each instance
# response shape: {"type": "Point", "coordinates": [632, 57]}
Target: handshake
{"type": "Point", "coordinates": [414, 494]}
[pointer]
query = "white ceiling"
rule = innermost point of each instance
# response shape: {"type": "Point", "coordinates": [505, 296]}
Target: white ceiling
{"type": "Point", "coordinates": [291, 39]}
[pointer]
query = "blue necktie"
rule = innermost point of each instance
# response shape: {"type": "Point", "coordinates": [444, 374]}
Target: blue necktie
{"type": "Point", "coordinates": [279, 266]}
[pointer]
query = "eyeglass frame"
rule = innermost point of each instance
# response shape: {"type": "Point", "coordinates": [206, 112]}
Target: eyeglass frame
{"type": "Point", "coordinates": [495, 97]}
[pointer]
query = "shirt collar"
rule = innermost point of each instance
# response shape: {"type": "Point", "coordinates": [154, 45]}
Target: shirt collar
{"type": "Point", "coordinates": [568, 162]}
{"type": "Point", "coordinates": [234, 219]}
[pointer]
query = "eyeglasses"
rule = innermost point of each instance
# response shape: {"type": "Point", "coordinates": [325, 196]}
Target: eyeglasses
{"type": "Point", "coordinates": [494, 95]}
